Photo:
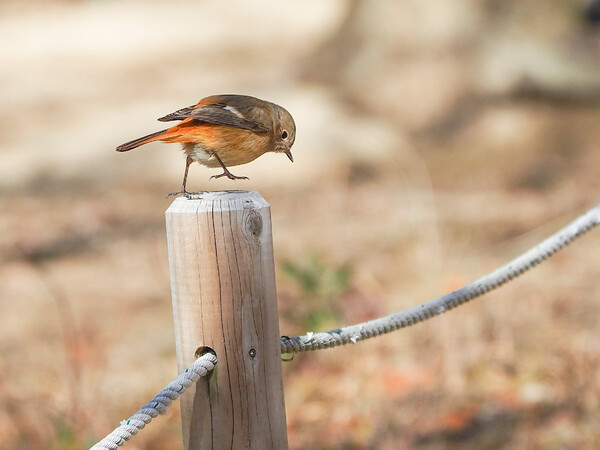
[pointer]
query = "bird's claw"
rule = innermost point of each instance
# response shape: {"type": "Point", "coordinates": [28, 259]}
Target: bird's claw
{"type": "Point", "coordinates": [186, 194]}
{"type": "Point", "coordinates": [175, 194]}
{"type": "Point", "coordinates": [229, 175]}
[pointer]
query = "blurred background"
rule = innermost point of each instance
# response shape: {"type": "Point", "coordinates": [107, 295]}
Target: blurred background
{"type": "Point", "coordinates": [436, 141]}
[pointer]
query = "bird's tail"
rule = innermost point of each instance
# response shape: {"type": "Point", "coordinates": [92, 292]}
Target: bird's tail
{"type": "Point", "coordinates": [140, 141]}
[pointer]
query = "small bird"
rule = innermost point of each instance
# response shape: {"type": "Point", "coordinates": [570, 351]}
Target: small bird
{"type": "Point", "coordinates": [225, 130]}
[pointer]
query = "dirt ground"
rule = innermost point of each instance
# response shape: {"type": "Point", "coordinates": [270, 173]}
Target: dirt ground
{"type": "Point", "coordinates": [428, 153]}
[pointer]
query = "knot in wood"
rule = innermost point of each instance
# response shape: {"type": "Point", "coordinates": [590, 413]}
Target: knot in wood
{"type": "Point", "coordinates": [254, 224]}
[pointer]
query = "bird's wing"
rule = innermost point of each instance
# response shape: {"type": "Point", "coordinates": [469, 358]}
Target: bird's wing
{"type": "Point", "coordinates": [180, 114]}
{"type": "Point", "coordinates": [216, 113]}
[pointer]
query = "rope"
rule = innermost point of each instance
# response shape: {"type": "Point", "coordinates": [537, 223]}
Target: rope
{"type": "Point", "coordinates": [354, 333]}
{"type": "Point", "coordinates": [382, 325]}
{"type": "Point", "coordinates": [159, 404]}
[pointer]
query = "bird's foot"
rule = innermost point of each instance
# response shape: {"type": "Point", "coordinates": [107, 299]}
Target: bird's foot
{"type": "Point", "coordinates": [228, 174]}
{"type": "Point", "coordinates": [186, 194]}
{"type": "Point", "coordinates": [175, 194]}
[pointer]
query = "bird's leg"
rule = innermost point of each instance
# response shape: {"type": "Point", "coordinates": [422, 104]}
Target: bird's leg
{"type": "Point", "coordinates": [226, 172]}
{"type": "Point", "coordinates": [188, 162]}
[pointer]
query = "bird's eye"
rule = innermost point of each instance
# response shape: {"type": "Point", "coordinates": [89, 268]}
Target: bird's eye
{"type": "Point", "coordinates": [284, 135]}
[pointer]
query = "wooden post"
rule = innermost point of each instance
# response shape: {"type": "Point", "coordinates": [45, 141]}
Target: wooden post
{"type": "Point", "coordinates": [223, 288]}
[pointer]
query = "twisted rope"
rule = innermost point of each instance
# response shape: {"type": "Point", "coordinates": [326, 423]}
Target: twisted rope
{"type": "Point", "coordinates": [382, 325]}
{"type": "Point", "coordinates": [354, 333]}
{"type": "Point", "coordinates": [159, 404]}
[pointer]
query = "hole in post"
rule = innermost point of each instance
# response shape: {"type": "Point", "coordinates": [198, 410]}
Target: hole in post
{"type": "Point", "coordinates": [201, 351]}
{"type": "Point", "coordinates": [252, 353]}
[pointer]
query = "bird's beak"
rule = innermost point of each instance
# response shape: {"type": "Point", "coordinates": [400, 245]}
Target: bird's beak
{"type": "Point", "coordinates": [288, 153]}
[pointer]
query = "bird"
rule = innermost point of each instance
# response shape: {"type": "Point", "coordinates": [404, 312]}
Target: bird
{"type": "Point", "coordinates": [225, 130]}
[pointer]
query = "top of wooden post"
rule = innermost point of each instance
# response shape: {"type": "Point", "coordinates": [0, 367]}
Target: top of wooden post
{"type": "Point", "coordinates": [234, 201]}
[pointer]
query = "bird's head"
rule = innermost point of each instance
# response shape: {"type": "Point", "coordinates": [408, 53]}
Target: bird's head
{"type": "Point", "coordinates": [285, 132]}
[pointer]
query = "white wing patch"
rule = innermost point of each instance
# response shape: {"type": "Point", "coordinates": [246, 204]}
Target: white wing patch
{"type": "Point", "coordinates": [234, 111]}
